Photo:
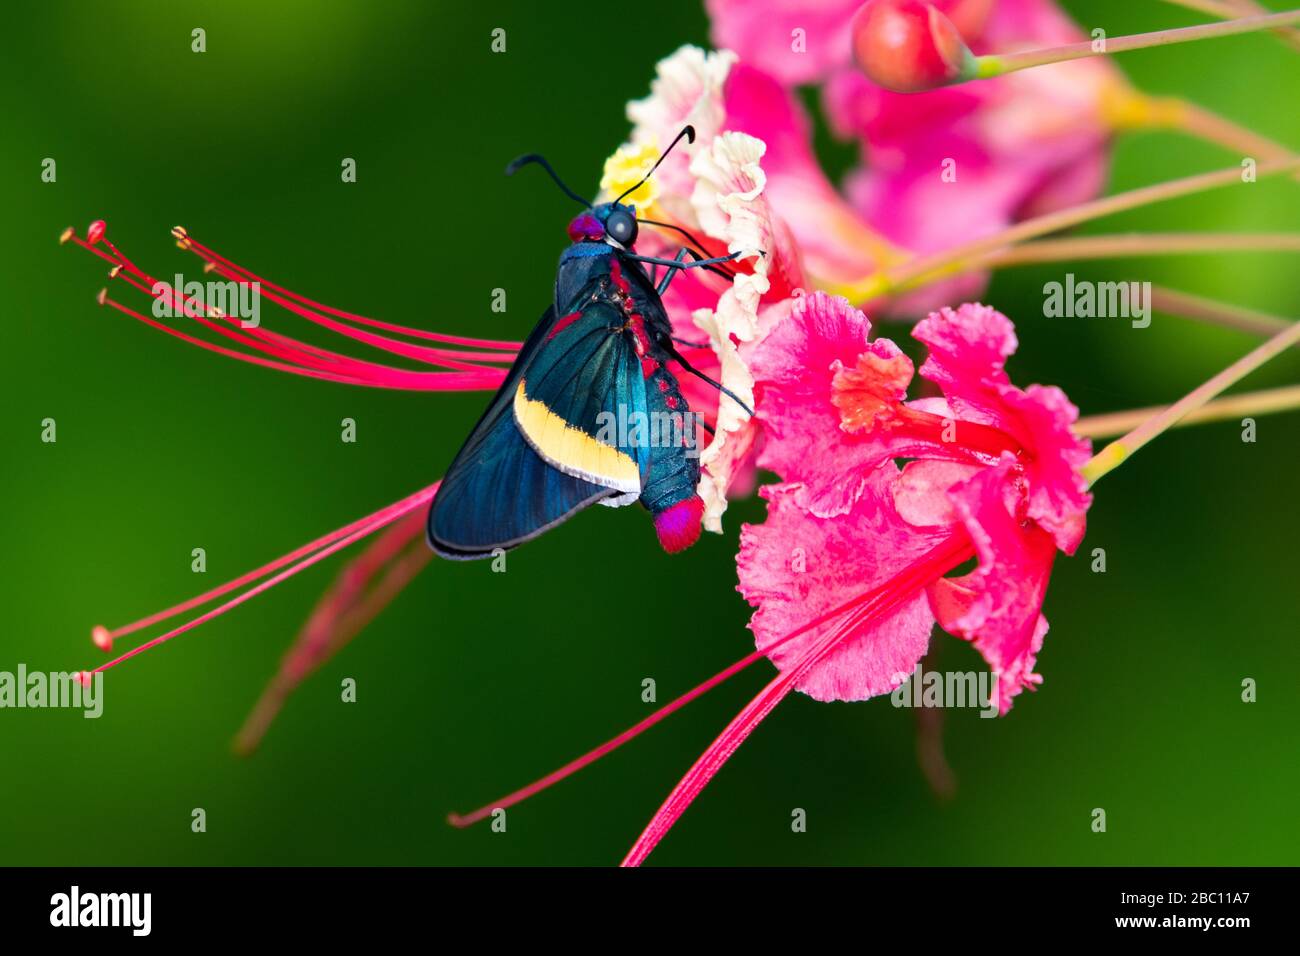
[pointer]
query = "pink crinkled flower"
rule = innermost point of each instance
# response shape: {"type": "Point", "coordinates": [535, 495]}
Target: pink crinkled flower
{"type": "Point", "coordinates": [984, 418]}
{"type": "Point", "coordinates": [988, 459]}
{"type": "Point", "coordinates": [795, 567]}
{"type": "Point", "coordinates": [794, 371]}
{"type": "Point", "coordinates": [991, 473]}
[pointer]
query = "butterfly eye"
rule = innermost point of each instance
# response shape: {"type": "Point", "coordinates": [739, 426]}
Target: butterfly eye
{"type": "Point", "coordinates": [621, 227]}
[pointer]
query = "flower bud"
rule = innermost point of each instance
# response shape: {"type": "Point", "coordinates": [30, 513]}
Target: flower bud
{"type": "Point", "coordinates": [909, 46]}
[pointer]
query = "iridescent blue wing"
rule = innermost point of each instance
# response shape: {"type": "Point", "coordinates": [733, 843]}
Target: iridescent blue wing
{"type": "Point", "coordinates": [544, 448]}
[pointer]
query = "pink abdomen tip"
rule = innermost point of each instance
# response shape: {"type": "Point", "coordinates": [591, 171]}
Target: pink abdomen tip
{"type": "Point", "coordinates": [678, 527]}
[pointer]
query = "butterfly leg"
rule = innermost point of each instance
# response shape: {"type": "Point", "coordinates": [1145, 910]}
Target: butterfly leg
{"type": "Point", "coordinates": [666, 343]}
{"type": "Point", "coordinates": [670, 272]}
{"type": "Point", "coordinates": [678, 263]}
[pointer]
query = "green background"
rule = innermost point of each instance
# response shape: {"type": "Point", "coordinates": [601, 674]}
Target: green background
{"type": "Point", "coordinates": [473, 683]}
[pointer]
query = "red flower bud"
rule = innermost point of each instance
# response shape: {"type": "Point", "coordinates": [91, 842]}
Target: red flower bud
{"type": "Point", "coordinates": [968, 16]}
{"type": "Point", "coordinates": [909, 46]}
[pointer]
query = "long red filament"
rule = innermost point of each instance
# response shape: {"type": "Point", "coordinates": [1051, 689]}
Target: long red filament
{"type": "Point", "coordinates": [298, 560]}
{"type": "Point", "coordinates": [934, 564]}
{"type": "Point", "coordinates": [475, 365]}
{"type": "Point", "coordinates": [212, 256]}
{"type": "Point", "coordinates": [936, 558]}
{"type": "Point", "coordinates": [364, 587]}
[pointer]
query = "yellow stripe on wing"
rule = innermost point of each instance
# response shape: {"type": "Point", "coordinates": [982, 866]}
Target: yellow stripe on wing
{"type": "Point", "coordinates": [572, 450]}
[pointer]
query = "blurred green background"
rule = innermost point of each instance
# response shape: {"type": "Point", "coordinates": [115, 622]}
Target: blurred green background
{"type": "Point", "coordinates": [473, 683]}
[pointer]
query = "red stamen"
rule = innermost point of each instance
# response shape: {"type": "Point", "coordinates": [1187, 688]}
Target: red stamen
{"type": "Point", "coordinates": [212, 256]}
{"type": "Point", "coordinates": [305, 556]}
{"type": "Point", "coordinates": [350, 604]}
{"type": "Point", "coordinates": [479, 368]}
{"type": "Point", "coordinates": [982, 442]}
{"type": "Point", "coordinates": [927, 565]}
{"type": "Point", "coordinates": [945, 556]}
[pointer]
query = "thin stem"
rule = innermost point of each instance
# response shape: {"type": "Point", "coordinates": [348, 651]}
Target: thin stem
{"type": "Point", "coordinates": [1231, 10]}
{"type": "Point", "coordinates": [1001, 64]}
{"type": "Point", "coordinates": [1211, 127]}
{"type": "Point", "coordinates": [1138, 244]}
{"type": "Point", "coordinates": [1120, 450]}
{"type": "Point", "coordinates": [1263, 402]}
{"type": "Point", "coordinates": [940, 265]}
{"type": "Point", "coordinates": [1216, 313]}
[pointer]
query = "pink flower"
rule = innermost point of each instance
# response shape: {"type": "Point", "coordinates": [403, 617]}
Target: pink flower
{"type": "Point", "coordinates": [989, 459]}
{"type": "Point", "coordinates": [847, 574]}
{"type": "Point", "coordinates": [940, 167]}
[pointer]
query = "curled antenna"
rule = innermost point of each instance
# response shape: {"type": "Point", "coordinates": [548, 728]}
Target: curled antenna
{"type": "Point", "coordinates": [689, 132]}
{"type": "Point", "coordinates": [541, 161]}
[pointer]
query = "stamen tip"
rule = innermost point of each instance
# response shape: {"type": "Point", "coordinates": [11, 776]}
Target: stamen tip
{"type": "Point", "coordinates": [456, 820]}
{"type": "Point", "coordinates": [102, 637]}
{"type": "Point", "coordinates": [83, 678]}
{"type": "Point", "coordinates": [102, 297]}
{"type": "Point", "coordinates": [66, 234]}
{"type": "Point", "coordinates": [96, 231]}
{"type": "Point", "coordinates": [113, 272]}
{"type": "Point", "coordinates": [180, 232]}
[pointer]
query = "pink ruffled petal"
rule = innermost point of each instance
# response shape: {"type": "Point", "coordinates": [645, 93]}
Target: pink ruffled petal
{"type": "Point", "coordinates": [835, 241]}
{"type": "Point", "coordinates": [795, 567]}
{"type": "Point", "coordinates": [1058, 493]}
{"type": "Point", "coordinates": [921, 492]}
{"type": "Point", "coordinates": [969, 346]}
{"type": "Point", "coordinates": [968, 349]}
{"type": "Point", "coordinates": [998, 606]}
{"type": "Point", "coordinates": [794, 369]}
{"type": "Point", "coordinates": [797, 41]}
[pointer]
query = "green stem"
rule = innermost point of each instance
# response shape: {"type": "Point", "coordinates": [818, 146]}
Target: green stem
{"type": "Point", "coordinates": [1222, 314]}
{"type": "Point", "coordinates": [940, 265]}
{"type": "Point", "coordinates": [1120, 450]}
{"type": "Point", "coordinates": [1263, 402]}
{"type": "Point", "coordinates": [1001, 64]}
{"type": "Point", "coordinates": [1137, 244]}
{"type": "Point", "coordinates": [1228, 11]}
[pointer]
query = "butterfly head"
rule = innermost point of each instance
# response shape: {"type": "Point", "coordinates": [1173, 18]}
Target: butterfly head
{"type": "Point", "coordinates": [611, 222]}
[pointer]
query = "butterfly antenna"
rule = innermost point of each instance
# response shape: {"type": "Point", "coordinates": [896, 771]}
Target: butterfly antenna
{"type": "Point", "coordinates": [541, 161]}
{"type": "Point", "coordinates": [689, 132]}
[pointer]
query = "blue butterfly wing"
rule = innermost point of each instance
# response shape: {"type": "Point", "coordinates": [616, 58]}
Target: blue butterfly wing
{"type": "Point", "coordinates": [532, 460]}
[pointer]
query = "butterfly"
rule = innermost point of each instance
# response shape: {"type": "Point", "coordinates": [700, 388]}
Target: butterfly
{"type": "Point", "coordinates": [590, 411]}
